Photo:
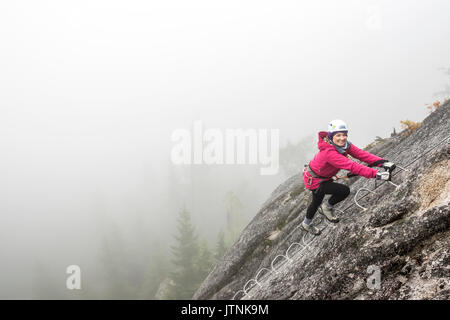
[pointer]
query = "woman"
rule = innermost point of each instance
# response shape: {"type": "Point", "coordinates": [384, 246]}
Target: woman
{"type": "Point", "coordinates": [332, 157]}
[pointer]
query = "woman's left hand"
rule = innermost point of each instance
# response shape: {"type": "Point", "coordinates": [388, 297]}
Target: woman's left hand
{"type": "Point", "coordinates": [389, 166]}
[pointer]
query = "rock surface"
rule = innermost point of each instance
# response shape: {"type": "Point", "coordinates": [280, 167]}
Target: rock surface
{"type": "Point", "coordinates": [403, 236]}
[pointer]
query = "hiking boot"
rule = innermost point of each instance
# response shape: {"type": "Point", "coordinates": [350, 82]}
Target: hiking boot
{"type": "Point", "coordinates": [311, 228]}
{"type": "Point", "coordinates": [328, 213]}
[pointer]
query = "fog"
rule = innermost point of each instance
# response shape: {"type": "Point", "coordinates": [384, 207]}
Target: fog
{"type": "Point", "coordinates": [92, 91]}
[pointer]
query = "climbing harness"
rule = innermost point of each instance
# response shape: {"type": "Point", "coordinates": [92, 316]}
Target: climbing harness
{"type": "Point", "coordinates": [308, 239]}
{"type": "Point", "coordinates": [312, 174]}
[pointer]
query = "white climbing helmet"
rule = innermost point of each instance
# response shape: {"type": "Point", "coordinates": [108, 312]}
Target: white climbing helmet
{"type": "Point", "coordinates": [337, 125]}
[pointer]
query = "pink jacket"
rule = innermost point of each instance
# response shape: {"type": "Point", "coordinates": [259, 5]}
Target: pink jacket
{"type": "Point", "coordinates": [329, 161]}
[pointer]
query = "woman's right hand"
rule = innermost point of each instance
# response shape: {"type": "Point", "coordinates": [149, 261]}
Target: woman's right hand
{"type": "Point", "coordinates": [383, 176]}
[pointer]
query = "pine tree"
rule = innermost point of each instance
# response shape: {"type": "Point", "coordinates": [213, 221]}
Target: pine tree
{"type": "Point", "coordinates": [185, 252]}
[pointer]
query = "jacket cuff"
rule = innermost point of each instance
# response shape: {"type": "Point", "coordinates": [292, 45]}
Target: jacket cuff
{"type": "Point", "coordinates": [377, 163]}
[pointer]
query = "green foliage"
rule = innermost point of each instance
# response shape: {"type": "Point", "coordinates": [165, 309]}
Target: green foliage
{"type": "Point", "coordinates": [184, 254]}
{"type": "Point", "coordinates": [192, 260]}
{"type": "Point", "coordinates": [281, 224]}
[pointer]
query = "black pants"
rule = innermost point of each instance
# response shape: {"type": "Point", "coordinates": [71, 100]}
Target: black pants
{"type": "Point", "coordinates": [339, 192]}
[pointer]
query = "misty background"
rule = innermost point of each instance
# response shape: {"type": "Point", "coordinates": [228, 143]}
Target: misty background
{"type": "Point", "coordinates": [91, 91]}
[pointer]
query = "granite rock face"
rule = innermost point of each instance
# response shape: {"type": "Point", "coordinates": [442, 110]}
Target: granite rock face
{"type": "Point", "coordinates": [398, 248]}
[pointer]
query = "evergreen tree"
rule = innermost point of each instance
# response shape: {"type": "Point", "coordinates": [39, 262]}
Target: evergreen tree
{"type": "Point", "coordinates": [185, 252]}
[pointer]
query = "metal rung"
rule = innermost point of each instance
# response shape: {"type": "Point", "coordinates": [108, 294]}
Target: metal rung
{"type": "Point", "coordinates": [245, 286]}
{"type": "Point", "coordinates": [292, 244]}
{"type": "Point", "coordinates": [307, 243]}
{"type": "Point", "coordinates": [257, 275]}
{"type": "Point", "coordinates": [356, 195]}
{"type": "Point", "coordinates": [234, 297]}
{"type": "Point", "coordinates": [395, 185]}
{"type": "Point", "coordinates": [274, 259]}
{"type": "Point", "coordinates": [401, 168]}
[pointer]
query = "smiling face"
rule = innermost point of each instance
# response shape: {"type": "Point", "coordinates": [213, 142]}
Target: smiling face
{"type": "Point", "coordinates": [340, 139]}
